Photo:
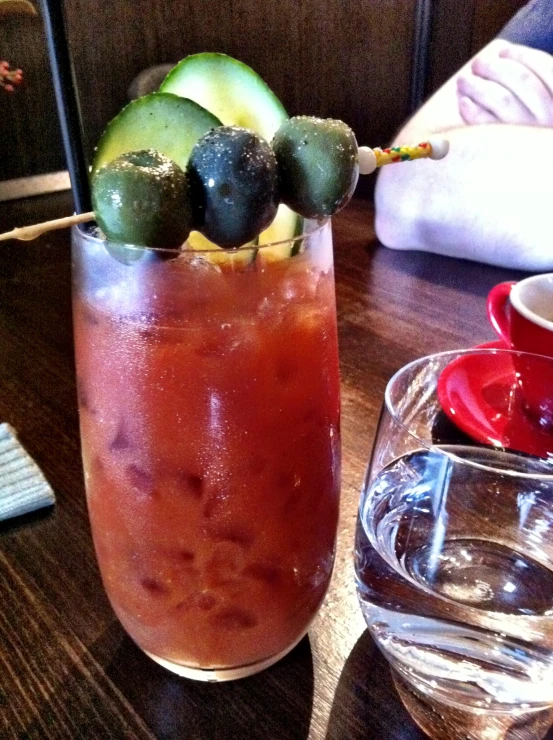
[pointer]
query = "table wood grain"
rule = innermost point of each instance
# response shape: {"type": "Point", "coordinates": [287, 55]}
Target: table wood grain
{"type": "Point", "coordinates": [67, 669]}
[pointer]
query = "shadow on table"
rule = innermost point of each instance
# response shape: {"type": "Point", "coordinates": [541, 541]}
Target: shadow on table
{"type": "Point", "coordinates": [366, 705]}
{"type": "Point", "coordinates": [448, 272]}
{"type": "Point", "coordinates": [24, 521]}
{"type": "Point", "coordinates": [276, 703]}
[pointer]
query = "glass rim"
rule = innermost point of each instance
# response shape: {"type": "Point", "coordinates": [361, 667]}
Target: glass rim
{"type": "Point", "coordinates": [424, 444]}
{"type": "Point", "coordinates": [321, 223]}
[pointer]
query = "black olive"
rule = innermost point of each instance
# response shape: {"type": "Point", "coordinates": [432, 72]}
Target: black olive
{"type": "Point", "coordinates": [234, 185]}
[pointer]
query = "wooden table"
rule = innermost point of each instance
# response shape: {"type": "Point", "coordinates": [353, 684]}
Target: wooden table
{"type": "Point", "coordinates": [67, 669]}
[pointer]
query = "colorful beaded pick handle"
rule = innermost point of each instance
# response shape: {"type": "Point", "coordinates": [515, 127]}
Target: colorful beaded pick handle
{"type": "Point", "coordinates": [370, 159]}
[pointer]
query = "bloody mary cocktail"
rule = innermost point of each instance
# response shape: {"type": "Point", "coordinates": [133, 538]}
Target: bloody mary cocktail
{"type": "Point", "coordinates": [209, 411]}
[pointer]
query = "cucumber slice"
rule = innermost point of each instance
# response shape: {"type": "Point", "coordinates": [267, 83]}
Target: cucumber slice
{"type": "Point", "coordinates": [239, 97]}
{"type": "Point", "coordinates": [167, 123]}
{"type": "Point", "coordinates": [237, 259]}
{"type": "Point", "coordinates": [286, 226]}
{"type": "Point", "coordinates": [230, 89]}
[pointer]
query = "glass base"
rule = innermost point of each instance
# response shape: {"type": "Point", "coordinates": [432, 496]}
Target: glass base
{"type": "Point", "coordinates": [216, 675]}
{"type": "Point", "coordinates": [442, 721]}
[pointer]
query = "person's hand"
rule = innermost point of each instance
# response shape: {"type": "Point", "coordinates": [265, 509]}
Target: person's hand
{"type": "Point", "coordinates": [508, 83]}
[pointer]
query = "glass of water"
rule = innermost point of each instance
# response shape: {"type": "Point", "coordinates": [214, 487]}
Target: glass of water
{"type": "Point", "coordinates": [454, 546]}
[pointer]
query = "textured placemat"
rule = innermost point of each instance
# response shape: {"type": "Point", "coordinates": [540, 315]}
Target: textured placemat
{"type": "Point", "coordinates": [23, 487]}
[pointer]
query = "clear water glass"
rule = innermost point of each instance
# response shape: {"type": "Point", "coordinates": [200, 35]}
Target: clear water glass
{"type": "Point", "coordinates": [454, 561]}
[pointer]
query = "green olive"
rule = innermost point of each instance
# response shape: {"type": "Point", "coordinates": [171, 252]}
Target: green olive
{"type": "Point", "coordinates": [143, 198]}
{"type": "Point", "coordinates": [317, 165]}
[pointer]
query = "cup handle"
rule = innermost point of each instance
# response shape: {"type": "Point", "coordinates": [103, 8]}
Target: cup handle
{"type": "Point", "coordinates": [497, 308]}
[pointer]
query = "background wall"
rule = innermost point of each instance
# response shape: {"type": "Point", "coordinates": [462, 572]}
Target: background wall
{"type": "Point", "coordinates": [459, 30]}
{"type": "Point", "coordinates": [349, 60]}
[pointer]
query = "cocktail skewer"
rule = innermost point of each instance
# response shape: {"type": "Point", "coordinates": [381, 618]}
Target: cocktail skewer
{"type": "Point", "coordinates": [369, 161]}
{"type": "Point", "coordinates": [28, 233]}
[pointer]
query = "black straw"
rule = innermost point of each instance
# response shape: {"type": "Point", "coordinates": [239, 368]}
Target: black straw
{"type": "Point", "coordinates": [420, 68]}
{"type": "Point", "coordinates": [67, 100]}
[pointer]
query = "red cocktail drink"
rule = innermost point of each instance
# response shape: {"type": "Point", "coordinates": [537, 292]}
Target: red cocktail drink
{"type": "Point", "coordinates": [209, 410]}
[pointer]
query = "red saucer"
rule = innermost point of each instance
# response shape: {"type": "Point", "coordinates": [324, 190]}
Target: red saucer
{"type": "Point", "coordinates": [479, 395]}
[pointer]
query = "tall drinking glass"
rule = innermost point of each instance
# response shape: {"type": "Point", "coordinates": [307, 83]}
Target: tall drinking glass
{"type": "Point", "coordinates": [209, 413]}
{"type": "Point", "coordinates": [454, 547]}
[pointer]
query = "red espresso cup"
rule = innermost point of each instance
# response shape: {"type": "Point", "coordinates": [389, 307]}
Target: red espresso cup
{"type": "Point", "coordinates": [522, 316]}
